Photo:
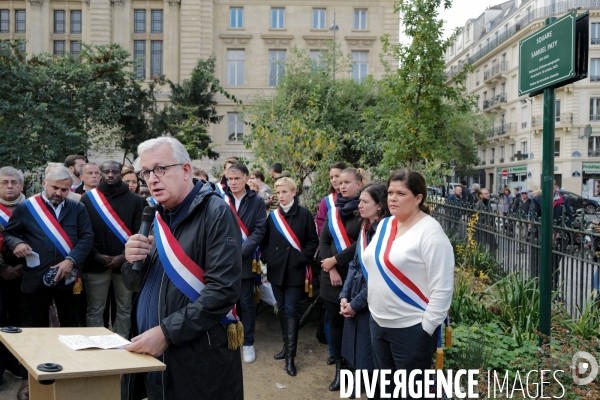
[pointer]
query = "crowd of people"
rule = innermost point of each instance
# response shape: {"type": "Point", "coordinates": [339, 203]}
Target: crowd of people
{"type": "Point", "coordinates": [185, 291]}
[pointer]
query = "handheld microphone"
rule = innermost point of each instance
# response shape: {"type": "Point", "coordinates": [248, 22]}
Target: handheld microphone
{"type": "Point", "coordinates": [147, 218]}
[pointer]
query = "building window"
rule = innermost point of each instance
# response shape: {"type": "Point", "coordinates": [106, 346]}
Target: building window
{"type": "Point", "coordinates": [557, 111]}
{"type": "Point", "coordinates": [595, 109]}
{"type": "Point", "coordinates": [4, 21]}
{"type": "Point", "coordinates": [276, 66]}
{"type": "Point", "coordinates": [595, 34]}
{"type": "Point", "coordinates": [483, 155]}
{"type": "Point", "coordinates": [594, 70]}
{"type": "Point", "coordinates": [156, 58]}
{"type": "Point", "coordinates": [236, 17]}
{"type": "Point", "coordinates": [360, 65]}
{"type": "Point", "coordinates": [594, 146]}
{"type": "Point", "coordinates": [157, 21]}
{"type": "Point", "coordinates": [557, 148]}
{"type": "Point", "coordinates": [20, 21]}
{"type": "Point", "coordinates": [59, 21]}
{"type": "Point", "coordinates": [75, 49]}
{"type": "Point", "coordinates": [493, 155]}
{"type": "Point", "coordinates": [139, 21]}
{"type": "Point", "coordinates": [139, 58]}
{"type": "Point", "coordinates": [524, 117]}
{"type": "Point", "coordinates": [318, 18]}
{"type": "Point", "coordinates": [59, 47]}
{"type": "Point", "coordinates": [502, 153]}
{"type": "Point", "coordinates": [235, 127]}
{"type": "Point", "coordinates": [235, 67]}
{"type": "Point", "coordinates": [513, 149]}
{"type": "Point", "coordinates": [277, 18]}
{"type": "Point", "coordinates": [524, 147]}
{"type": "Point", "coordinates": [76, 22]}
{"type": "Point", "coordinates": [360, 19]}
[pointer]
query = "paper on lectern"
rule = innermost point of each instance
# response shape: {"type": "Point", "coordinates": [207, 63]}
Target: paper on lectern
{"type": "Point", "coordinates": [105, 342]}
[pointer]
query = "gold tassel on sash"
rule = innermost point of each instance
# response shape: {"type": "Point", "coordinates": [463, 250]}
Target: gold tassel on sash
{"type": "Point", "coordinates": [235, 335]}
{"type": "Point", "coordinates": [256, 295]}
{"type": "Point", "coordinates": [448, 337]}
{"type": "Point", "coordinates": [256, 267]}
{"type": "Point", "coordinates": [439, 358]}
{"type": "Point", "coordinates": [306, 285]}
{"type": "Point", "coordinates": [310, 292]}
{"type": "Point", "coordinates": [78, 286]}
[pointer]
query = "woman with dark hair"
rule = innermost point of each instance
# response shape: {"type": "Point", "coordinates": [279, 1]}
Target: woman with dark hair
{"type": "Point", "coordinates": [334, 187]}
{"type": "Point", "coordinates": [288, 247]}
{"type": "Point", "coordinates": [131, 179]}
{"type": "Point", "coordinates": [356, 341]}
{"type": "Point", "coordinates": [337, 245]}
{"type": "Point", "coordinates": [410, 267]}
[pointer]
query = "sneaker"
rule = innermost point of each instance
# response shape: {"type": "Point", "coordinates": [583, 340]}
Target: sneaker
{"type": "Point", "coordinates": [249, 354]}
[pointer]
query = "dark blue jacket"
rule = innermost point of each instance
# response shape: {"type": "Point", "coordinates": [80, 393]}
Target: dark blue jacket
{"type": "Point", "coordinates": [23, 228]}
{"type": "Point", "coordinates": [253, 215]}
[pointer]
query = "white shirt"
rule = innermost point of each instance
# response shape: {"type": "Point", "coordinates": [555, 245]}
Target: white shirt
{"type": "Point", "coordinates": [425, 256]}
{"type": "Point", "coordinates": [238, 201]}
{"type": "Point", "coordinates": [56, 209]}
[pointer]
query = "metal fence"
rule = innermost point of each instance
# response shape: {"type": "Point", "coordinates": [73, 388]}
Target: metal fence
{"type": "Point", "coordinates": [514, 241]}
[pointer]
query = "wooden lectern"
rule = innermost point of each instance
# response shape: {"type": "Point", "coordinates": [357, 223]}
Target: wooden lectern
{"type": "Point", "coordinates": [87, 374]}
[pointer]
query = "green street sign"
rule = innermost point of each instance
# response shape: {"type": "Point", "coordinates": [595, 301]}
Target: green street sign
{"type": "Point", "coordinates": [547, 57]}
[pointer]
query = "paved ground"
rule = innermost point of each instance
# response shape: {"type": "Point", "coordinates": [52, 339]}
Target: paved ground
{"type": "Point", "coordinates": [262, 377]}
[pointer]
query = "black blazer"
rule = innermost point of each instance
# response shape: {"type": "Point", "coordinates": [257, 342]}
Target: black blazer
{"type": "Point", "coordinates": [285, 265]}
{"type": "Point", "coordinates": [327, 249]}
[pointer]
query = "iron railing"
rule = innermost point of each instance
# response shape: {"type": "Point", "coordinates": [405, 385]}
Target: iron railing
{"type": "Point", "coordinates": [514, 241]}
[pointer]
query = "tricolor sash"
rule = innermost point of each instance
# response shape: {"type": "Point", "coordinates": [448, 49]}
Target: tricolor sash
{"type": "Point", "coordinates": [49, 224]}
{"type": "Point", "coordinates": [108, 215]}
{"type": "Point", "coordinates": [403, 287]}
{"type": "Point", "coordinates": [337, 229]}
{"type": "Point", "coordinates": [220, 190]}
{"type": "Point", "coordinates": [286, 231]}
{"type": "Point", "coordinates": [360, 249]}
{"type": "Point", "coordinates": [151, 201]}
{"type": "Point", "coordinates": [245, 231]}
{"type": "Point", "coordinates": [5, 215]}
{"type": "Point", "coordinates": [330, 201]}
{"type": "Point", "coordinates": [181, 269]}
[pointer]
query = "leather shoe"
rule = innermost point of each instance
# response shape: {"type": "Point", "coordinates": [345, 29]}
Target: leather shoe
{"type": "Point", "coordinates": [23, 393]}
{"type": "Point", "coordinates": [330, 360]}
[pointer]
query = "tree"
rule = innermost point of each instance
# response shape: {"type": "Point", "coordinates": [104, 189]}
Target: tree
{"type": "Point", "coordinates": [422, 117]}
{"type": "Point", "coordinates": [192, 110]}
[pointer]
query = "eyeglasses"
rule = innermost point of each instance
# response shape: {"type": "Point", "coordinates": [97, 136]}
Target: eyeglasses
{"type": "Point", "coordinates": [113, 171]}
{"type": "Point", "coordinates": [159, 171]}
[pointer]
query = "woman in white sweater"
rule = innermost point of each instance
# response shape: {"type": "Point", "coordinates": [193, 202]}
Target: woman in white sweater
{"type": "Point", "coordinates": [410, 264]}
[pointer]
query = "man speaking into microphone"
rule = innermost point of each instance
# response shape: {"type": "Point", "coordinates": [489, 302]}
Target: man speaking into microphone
{"type": "Point", "coordinates": [188, 284]}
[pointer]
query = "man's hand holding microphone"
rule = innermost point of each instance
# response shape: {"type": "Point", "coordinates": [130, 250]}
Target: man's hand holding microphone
{"type": "Point", "coordinates": [138, 246]}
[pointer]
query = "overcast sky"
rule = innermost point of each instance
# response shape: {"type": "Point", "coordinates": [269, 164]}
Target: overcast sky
{"type": "Point", "coordinates": [462, 10]}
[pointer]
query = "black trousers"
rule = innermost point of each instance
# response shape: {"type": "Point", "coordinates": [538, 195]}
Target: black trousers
{"type": "Point", "coordinates": [402, 349]}
{"type": "Point", "coordinates": [10, 315]}
{"type": "Point", "coordinates": [336, 327]}
{"type": "Point", "coordinates": [288, 299]}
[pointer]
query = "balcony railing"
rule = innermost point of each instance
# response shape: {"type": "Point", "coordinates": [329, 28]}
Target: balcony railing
{"type": "Point", "coordinates": [501, 98]}
{"type": "Point", "coordinates": [495, 70]}
{"type": "Point", "coordinates": [595, 40]}
{"type": "Point", "coordinates": [595, 117]}
{"type": "Point", "coordinates": [502, 129]}
{"type": "Point", "coordinates": [593, 153]}
{"type": "Point", "coordinates": [595, 78]}
{"type": "Point", "coordinates": [523, 125]}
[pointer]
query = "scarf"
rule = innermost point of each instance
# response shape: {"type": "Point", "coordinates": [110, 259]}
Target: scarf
{"type": "Point", "coordinates": [558, 199]}
{"type": "Point", "coordinates": [347, 207]}
{"type": "Point", "coordinates": [287, 208]}
{"type": "Point", "coordinates": [13, 203]}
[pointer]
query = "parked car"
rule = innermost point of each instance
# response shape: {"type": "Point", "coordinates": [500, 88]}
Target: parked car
{"type": "Point", "coordinates": [434, 192]}
{"type": "Point", "coordinates": [450, 188]}
{"type": "Point", "coordinates": [577, 202]}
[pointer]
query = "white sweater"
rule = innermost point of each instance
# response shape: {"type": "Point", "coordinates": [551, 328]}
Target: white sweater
{"type": "Point", "coordinates": [424, 255]}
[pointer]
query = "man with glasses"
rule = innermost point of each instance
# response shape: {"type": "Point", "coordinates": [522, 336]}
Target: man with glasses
{"type": "Point", "coordinates": [188, 284]}
{"type": "Point", "coordinates": [11, 188]}
{"type": "Point", "coordinates": [116, 214]}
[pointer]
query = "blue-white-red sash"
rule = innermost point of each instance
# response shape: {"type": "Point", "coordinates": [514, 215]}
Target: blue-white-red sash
{"type": "Point", "coordinates": [220, 190]}
{"type": "Point", "coordinates": [109, 216]}
{"type": "Point", "coordinates": [49, 224]}
{"type": "Point", "coordinates": [151, 201]}
{"type": "Point", "coordinates": [5, 215]}
{"type": "Point", "coordinates": [338, 230]}
{"type": "Point", "coordinates": [330, 201]}
{"type": "Point", "coordinates": [399, 283]}
{"type": "Point", "coordinates": [245, 231]}
{"type": "Point", "coordinates": [180, 268]}
{"type": "Point", "coordinates": [360, 249]}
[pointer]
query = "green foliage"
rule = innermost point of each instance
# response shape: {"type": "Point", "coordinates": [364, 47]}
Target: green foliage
{"type": "Point", "coordinates": [588, 324]}
{"type": "Point", "coordinates": [192, 109]}
{"type": "Point", "coordinates": [427, 124]}
{"type": "Point", "coordinates": [311, 121]}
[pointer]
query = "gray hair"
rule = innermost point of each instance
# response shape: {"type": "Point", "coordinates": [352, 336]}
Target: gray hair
{"type": "Point", "coordinates": [179, 152]}
{"type": "Point", "coordinates": [10, 171]}
{"type": "Point", "coordinates": [475, 187]}
{"type": "Point", "coordinates": [57, 172]}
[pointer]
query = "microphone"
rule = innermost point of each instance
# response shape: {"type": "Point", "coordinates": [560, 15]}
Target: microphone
{"type": "Point", "coordinates": [147, 218]}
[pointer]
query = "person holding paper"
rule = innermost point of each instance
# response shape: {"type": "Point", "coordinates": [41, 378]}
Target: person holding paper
{"type": "Point", "coordinates": [59, 230]}
{"type": "Point", "coordinates": [188, 285]}
{"type": "Point", "coordinates": [115, 213]}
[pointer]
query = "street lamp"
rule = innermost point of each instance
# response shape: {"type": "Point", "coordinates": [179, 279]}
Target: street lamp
{"type": "Point", "coordinates": [334, 28]}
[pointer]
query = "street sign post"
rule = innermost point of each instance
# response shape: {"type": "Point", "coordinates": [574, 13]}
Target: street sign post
{"type": "Point", "coordinates": [554, 56]}
{"type": "Point", "coordinates": [505, 173]}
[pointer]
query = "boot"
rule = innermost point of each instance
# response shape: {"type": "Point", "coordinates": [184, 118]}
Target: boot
{"type": "Point", "coordinates": [335, 385]}
{"type": "Point", "coordinates": [283, 323]}
{"type": "Point", "coordinates": [291, 345]}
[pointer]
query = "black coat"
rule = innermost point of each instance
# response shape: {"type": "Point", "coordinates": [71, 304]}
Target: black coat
{"type": "Point", "coordinates": [129, 207]}
{"type": "Point", "coordinates": [199, 364]}
{"type": "Point", "coordinates": [327, 249]}
{"type": "Point", "coordinates": [356, 341]}
{"type": "Point", "coordinates": [285, 265]}
{"type": "Point", "coordinates": [252, 213]}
